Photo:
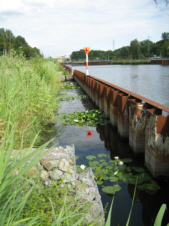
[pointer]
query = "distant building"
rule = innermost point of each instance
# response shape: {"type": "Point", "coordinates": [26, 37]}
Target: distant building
{"type": "Point", "coordinates": [61, 59]}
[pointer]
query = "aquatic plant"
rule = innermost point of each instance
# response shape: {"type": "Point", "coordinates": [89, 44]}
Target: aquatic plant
{"type": "Point", "coordinates": [89, 117]}
{"type": "Point", "coordinates": [117, 170]}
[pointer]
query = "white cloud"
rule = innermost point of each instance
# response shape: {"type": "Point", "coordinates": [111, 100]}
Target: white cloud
{"type": "Point", "coordinates": [58, 27]}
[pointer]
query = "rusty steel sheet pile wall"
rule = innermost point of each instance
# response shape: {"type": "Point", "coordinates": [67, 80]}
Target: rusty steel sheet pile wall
{"type": "Point", "coordinates": [136, 118]}
{"type": "Point", "coordinates": [67, 68]}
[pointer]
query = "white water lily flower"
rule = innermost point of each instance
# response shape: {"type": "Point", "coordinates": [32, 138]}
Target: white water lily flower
{"type": "Point", "coordinates": [115, 172]}
{"type": "Point", "coordinates": [120, 163]}
{"type": "Point", "coordinates": [116, 157]}
{"type": "Point", "coordinates": [75, 120]}
{"type": "Point", "coordinates": [82, 167]}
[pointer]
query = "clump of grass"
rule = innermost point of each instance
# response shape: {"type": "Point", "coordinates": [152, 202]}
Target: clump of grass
{"type": "Point", "coordinates": [53, 204]}
{"type": "Point", "coordinates": [28, 95]}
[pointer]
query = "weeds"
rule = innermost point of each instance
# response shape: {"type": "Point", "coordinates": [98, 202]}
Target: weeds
{"type": "Point", "coordinates": [28, 95]}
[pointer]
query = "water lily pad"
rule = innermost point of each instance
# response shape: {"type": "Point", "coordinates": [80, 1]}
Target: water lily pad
{"type": "Point", "coordinates": [101, 155]}
{"type": "Point", "coordinates": [91, 157]}
{"type": "Point", "coordinates": [104, 164]}
{"type": "Point", "coordinates": [139, 169]}
{"type": "Point", "coordinates": [153, 187]}
{"type": "Point", "coordinates": [94, 163]}
{"type": "Point", "coordinates": [76, 157]}
{"type": "Point", "coordinates": [111, 190]}
{"type": "Point", "coordinates": [105, 177]}
{"type": "Point", "coordinates": [102, 160]}
{"type": "Point", "coordinates": [99, 182]}
{"type": "Point", "coordinates": [109, 167]}
{"type": "Point", "coordinates": [114, 179]}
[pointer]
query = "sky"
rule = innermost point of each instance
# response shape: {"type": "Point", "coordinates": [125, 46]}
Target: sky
{"type": "Point", "coordinates": [59, 27]}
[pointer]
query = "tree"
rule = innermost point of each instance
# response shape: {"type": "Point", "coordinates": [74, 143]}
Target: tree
{"type": "Point", "coordinates": [165, 36]}
{"type": "Point", "coordinates": [6, 39]}
{"type": "Point", "coordinates": [124, 52]}
{"type": "Point", "coordinates": [165, 49]}
{"type": "Point", "coordinates": [135, 49]}
{"type": "Point", "coordinates": [19, 42]}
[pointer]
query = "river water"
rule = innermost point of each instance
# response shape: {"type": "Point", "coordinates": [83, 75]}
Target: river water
{"type": "Point", "coordinates": [105, 139]}
{"type": "Point", "coordinates": [150, 81]}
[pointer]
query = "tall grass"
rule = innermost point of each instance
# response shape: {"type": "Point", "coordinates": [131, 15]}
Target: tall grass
{"type": "Point", "coordinates": [28, 91]}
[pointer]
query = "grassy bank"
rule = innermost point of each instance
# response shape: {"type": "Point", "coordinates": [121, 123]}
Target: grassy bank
{"type": "Point", "coordinates": [133, 62]}
{"type": "Point", "coordinates": [28, 95]}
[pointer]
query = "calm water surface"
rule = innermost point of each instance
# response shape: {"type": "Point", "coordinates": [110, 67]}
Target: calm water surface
{"type": "Point", "coordinates": [150, 81]}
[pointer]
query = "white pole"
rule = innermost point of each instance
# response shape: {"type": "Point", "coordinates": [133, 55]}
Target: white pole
{"type": "Point", "coordinates": [87, 72]}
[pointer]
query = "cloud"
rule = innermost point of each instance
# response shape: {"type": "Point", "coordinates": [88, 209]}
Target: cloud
{"type": "Point", "coordinates": [58, 26]}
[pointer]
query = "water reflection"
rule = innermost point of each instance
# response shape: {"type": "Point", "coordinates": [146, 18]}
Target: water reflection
{"type": "Point", "coordinates": [150, 202]}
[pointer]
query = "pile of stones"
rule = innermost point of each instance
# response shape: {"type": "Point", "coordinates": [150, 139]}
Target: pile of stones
{"type": "Point", "coordinates": [59, 163]}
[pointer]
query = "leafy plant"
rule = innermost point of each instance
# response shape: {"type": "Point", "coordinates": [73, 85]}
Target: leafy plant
{"type": "Point", "coordinates": [111, 190]}
{"type": "Point", "coordinates": [90, 118]}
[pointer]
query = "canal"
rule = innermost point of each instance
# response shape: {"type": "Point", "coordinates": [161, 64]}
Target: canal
{"type": "Point", "coordinates": [150, 81]}
{"type": "Point", "coordinates": [105, 140]}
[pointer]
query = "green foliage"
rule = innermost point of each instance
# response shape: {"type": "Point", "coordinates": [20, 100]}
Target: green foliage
{"type": "Point", "coordinates": [9, 41]}
{"type": "Point", "coordinates": [54, 205]}
{"type": "Point", "coordinates": [90, 118]}
{"type": "Point", "coordinates": [159, 217]}
{"type": "Point", "coordinates": [111, 190]}
{"type": "Point", "coordinates": [91, 157]}
{"type": "Point", "coordinates": [136, 50]}
{"type": "Point", "coordinates": [28, 95]}
{"type": "Point", "coordinates": [12, 197]}
{"type": "Point", "coordinates": [116, 170]}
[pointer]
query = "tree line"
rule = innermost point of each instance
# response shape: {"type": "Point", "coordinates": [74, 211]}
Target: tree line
{"type": "Point", "coordinates": [136, 50]}
{"type": "Point", "coordinates": [8, 41]}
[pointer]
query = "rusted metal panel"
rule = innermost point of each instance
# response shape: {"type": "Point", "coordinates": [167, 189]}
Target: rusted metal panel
{"type": "Point", "coordinates": [96, 93]}
{"type": "Point", "coordinates": [156, 144]}
{"type": "Point", "coordinates": [100, 97]}
{"type": "Point", "coordinates": [122, 102]}
{"type": "Point", "coordinates": [123, 116]}
{"type": "Point", "coordinates": [153, 103]}
{"type": "Point", "coordinates": [106, 94]}
{"type": "Point", "coordinates": [113, 107]}
{"type": "Point", "coordinates": [137, 121]}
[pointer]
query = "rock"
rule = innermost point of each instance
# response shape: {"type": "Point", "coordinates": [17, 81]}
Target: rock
{"type": "Point", "coordinates": [95, 212]}
{"type": "Point", "coordinates": [69, 77]}
{"type": "Point", "coordinates": [64, 165]}
{"type": "Point", "coordinates": [86, 181]}
{"type": "Point", "coordinates": [56, 174]}
{"type": "Point", "coordinates": [46, 164]}
{"type": "Point", "coordinates": [47, 182]}
{"type": "Point", "coordinates": [69, 178]}
{"type": "Point", "coordinates": [44, 174]}
{"type": "Point", "coordinates": [32, 171]}
{"type": "Point", "coordinates": [71, 161]}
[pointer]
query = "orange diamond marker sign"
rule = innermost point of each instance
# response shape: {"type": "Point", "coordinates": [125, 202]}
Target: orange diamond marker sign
{"type": "Point", "coordinates": [89, 133]}
{"type": "Point", "coordinates": [86, 49]}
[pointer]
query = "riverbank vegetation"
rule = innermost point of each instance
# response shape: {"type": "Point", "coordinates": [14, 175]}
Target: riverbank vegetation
{"type": "Point", "coordinates": [137, 50]}
{"type": "Point", "coordinates": [28, 95]}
